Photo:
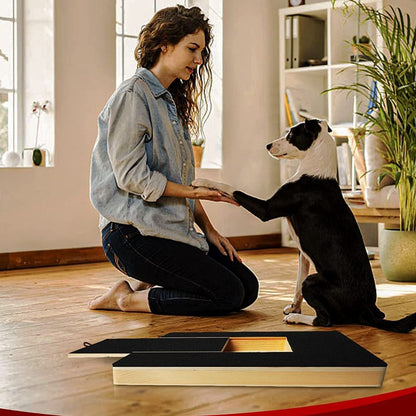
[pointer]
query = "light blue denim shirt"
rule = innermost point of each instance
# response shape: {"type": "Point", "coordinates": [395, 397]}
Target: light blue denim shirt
{"type": "Point", "coordinates": [141, 144]}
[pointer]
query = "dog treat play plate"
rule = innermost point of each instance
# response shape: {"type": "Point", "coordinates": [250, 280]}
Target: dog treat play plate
{"type": "Point", "coordinates": [293, 358]}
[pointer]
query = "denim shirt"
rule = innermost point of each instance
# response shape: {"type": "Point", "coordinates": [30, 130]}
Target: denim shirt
{"type": "Point", "coordinates": [141, 145]}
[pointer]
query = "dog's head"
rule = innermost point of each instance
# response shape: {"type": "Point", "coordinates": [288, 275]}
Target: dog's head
{"type": "Point", "coordinates": [298, 140]}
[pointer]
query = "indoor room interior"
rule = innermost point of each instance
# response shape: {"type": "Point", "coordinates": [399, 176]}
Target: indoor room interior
{"type": "Point", "coordinates": [70, 56]}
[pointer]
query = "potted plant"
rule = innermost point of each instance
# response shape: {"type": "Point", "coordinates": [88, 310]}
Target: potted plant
{"type": "Point", "coordinates": [36, 156]}
{"type": "Point", "coordinates": [394, 121]}
{"type": "Point", "coordinates": [360, 47]}
{"type": "Point", "coordinates": [198, 148]}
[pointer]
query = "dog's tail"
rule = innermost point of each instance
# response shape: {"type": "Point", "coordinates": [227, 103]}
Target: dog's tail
{"type": "Point", "coordinates": [403, 325]}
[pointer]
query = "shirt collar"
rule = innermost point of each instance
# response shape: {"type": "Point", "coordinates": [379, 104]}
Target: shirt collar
{"type": "Point", "coordinates": [154, 84]}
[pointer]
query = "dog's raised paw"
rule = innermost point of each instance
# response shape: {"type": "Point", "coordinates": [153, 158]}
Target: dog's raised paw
{"type": "Point", "coordinates": [291, 309]}
{"type": "Point", "coordinates": [225, 189]}
{"type": "Point", "coordinates": [206, 183]}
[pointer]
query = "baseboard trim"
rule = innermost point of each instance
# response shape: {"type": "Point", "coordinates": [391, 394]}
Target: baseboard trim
{"type": "Point", "coordinates": [44, 258]}
{"type": "Point", "coordinates": [67, 256]}
{"type": "Point", "coordinates": [256, 242]}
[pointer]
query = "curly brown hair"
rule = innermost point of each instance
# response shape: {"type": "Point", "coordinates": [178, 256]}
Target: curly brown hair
{"type": "Point", "coordinates": [169, 26]}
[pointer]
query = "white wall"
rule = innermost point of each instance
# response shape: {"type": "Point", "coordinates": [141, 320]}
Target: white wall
{"type": "Point", "coordinates": [250, 111]}
{"type": "Point", "coordinates": [49, 208]}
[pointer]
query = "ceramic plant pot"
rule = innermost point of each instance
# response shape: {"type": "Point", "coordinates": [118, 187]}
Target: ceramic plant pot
{"type": "Point", "coordinates": [34, 157]}
{"type": "Point", "coordinates": [398, 255]}
{"type": "Point", "coordinates": [198, 151]}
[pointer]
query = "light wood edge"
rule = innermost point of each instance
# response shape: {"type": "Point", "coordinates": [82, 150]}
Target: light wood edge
{"type": "Point", "coordinates": [98, 355]}
{"type": "Point", "coordinates": [257, 344]}
{"type": "Point", "coordinates": [251, 376]}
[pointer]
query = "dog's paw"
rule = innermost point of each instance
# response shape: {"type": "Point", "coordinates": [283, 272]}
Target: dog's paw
{"type": "Point", "coordinates": [225, 189]}
{"type": "Point", "coordinates": [298, 318]}
{"type": "Point", "coordinates": [291, 309]}
{"type": "Point", "coordinates": [293, 318]}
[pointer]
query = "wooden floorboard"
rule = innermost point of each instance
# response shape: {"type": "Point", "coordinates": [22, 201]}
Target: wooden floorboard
{"type": "Point", "coordinates": [44, 316]}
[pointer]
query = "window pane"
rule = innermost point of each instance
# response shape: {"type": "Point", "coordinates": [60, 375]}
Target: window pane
{"type": "Point", "coordinates": [119, 19]}
{"type": "Point", "coordinates": [202, 4]}
{"type": "Point", "coordinates": [4, 121]}
{"type": "Point", "coordinates": [161, 4]}
{"type": "Point", "coordinates": [6, 8]}
{"type": "Point", "coordinates": [119, 62]}
{"type": "Point", "coordinates": [6, 54]}
{"type": "Point", "coordinates": [136, 14]}
{"type": "Point", "coordinates": [130, 63]}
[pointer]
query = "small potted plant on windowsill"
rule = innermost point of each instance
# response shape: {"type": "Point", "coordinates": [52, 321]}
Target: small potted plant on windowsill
{"type": "Point", "coordinates": [36, 155]}
{"type": "Point", "coordinates": [198, 148]}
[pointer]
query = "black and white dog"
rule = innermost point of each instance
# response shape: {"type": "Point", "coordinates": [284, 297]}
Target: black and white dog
{"type": "Point", "coordinates": [342, 291]}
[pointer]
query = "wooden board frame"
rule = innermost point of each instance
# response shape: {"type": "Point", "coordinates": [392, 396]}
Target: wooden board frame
{"type": "Point", "coordinates": [290, 358]}
{"type": "Point", "coordinates": [120, 347]}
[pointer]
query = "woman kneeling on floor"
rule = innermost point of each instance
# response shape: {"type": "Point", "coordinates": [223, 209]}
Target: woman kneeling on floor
{"type": "Point", "coordinates": [141, 171]}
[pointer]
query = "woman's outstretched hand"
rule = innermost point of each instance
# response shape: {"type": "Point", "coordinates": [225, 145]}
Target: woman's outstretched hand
{"type": "Point", "coordinates": [197, 192]}
{"type": "Point", "coordinates": [200, 192]}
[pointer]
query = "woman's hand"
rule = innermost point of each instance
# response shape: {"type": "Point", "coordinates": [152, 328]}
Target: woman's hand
{"type": "Point", "coordinates": [196, 192]}
{"type": "Point", "coordinates": [222, 243]}
{"type": "Point", "coordinates": [201, 192]}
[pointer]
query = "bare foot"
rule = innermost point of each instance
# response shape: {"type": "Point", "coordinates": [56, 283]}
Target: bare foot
{"type": "Point", "coordinates": [113, 299]}
{"type": "Point", "coordinates": [137, 285]}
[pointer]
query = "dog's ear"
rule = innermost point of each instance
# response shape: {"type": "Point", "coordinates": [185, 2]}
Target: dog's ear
{"type": "Point", "coordinates": [325, 124]}
{"type": "Point", "coordinates": [313, 127]}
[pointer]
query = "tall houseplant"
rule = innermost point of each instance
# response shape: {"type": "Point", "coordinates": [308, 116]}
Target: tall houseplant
{"type": "Point", "coordinates": [394, 121]}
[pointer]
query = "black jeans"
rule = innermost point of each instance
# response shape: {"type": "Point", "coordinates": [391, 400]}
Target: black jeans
{"type": "Point", "coordinates": [192, 282]}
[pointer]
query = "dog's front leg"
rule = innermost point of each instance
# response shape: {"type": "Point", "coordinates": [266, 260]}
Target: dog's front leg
{"type": "Point", "coordinates": [303, 272]}
{"type": "Point", "coordinates": [281, 204]}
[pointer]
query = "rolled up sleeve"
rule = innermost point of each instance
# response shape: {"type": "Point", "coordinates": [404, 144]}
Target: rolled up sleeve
{"type": "Point", "coordinates": [128, 129]}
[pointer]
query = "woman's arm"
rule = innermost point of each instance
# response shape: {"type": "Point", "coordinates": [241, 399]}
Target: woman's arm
{"type": "Point", "coordinates": [213, 236]}
{"type": "Point", "coordinates": [184, 191]}
{"type": "Point", "coordinates": [201, 218]}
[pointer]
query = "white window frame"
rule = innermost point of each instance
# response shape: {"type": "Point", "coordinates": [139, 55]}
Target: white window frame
{"type": "Point", "coordinates": [15, 117]}
{"type": "Point", "coordinates": [26, 88]}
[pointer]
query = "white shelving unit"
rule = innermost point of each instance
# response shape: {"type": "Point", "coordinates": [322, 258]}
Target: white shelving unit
{"type": "Point", "coordinates": [307, 83]}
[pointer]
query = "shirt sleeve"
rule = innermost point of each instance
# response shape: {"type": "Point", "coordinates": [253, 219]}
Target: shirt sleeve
{"type": "Point", "coordinates": [129, 126]}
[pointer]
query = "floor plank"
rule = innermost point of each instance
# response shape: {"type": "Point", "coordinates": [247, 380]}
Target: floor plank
{"type": "Point", "coordinates": [44, 316]}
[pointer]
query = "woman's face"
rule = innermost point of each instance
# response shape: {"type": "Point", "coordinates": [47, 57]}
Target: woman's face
{"type": "Point", "coordinates": [182, 59]}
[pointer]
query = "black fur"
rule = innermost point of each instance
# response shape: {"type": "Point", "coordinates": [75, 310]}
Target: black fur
{"type": "Point", "coordinates": [343, 289]}
{"type": "Point", "coordinates": [302, 135]}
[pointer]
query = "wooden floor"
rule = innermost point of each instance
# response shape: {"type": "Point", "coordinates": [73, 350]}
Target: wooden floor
{"type": "Point", "coordinates": [44, 316]}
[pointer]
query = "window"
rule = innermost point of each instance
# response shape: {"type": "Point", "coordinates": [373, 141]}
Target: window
{"type": "Point", "coordinates": [26, 26]}
{"type": "Point", "coordinates": [131, 15]}
{"type": "Point", "coordinates": [8, 75]}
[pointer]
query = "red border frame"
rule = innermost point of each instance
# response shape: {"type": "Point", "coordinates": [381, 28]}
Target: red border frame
{"type": "Point", "coordinates": [386, 404]}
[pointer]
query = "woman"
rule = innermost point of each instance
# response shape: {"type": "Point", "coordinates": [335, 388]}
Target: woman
{"type": "Point", "coordinates": [141, 171]}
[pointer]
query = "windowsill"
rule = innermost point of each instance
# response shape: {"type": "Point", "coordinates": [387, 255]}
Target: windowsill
{"type": "Point", "coordinates": [24, 167]}
{"type": "Point", "coordinates": [208, 169]}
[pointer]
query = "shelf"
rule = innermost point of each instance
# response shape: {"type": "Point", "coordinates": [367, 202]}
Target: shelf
{"type": "Point", "coordinates": [324, 68]}
{"type": "Point", "coordinates": [342, 66]}
{"type": "Point", "coordinates": [316, 68]}
{"type": "Point", "coordinates": [341, 129]}
{"type": "Point", "coordinates": [304, 86]}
